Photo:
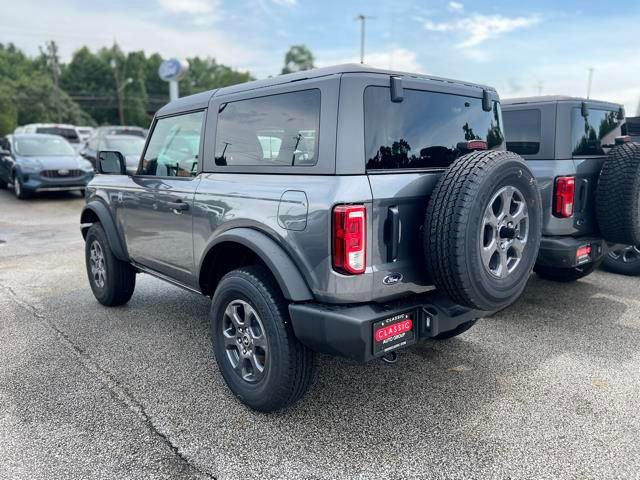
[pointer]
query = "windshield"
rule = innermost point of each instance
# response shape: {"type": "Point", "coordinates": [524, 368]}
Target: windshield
{"type": "Point", "coordinates": [43, 147]}
{"type": "Point", "coordinates": [69, 133]}
{"type": "Point", "coordinates": [126, 131]}
{"type": "Point", "coordinates": [125, 145]}
{"type": "Point", "coordinates": [425, 129]}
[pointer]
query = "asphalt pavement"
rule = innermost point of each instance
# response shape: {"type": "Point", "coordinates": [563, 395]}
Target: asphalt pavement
{"type": "Point", "coordinates": [549, 388]}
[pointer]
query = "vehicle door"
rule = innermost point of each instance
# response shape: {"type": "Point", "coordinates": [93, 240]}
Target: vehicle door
{"type": "Point", "coordinates": [158, 205]}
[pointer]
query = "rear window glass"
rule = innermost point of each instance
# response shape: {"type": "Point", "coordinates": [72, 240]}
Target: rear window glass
{"type": "Point", "coordinates": [425, 129]}
{"type": "Point", "coordinates": [594, 134]}
{"type": "Point", "coordinates": [277, 130]}
{"type": "Point", "coordinates": [123, 131]}
{"type": "Point", "coordinates": [69, 133]}
{"type": "Point", "coordinates": [522, 129]}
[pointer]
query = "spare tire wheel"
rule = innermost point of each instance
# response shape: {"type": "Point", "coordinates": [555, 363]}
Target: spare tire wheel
{"type": "Point", "coordinates": [482, 229]}
{"type": "Point", "coordinates": [618, 195]}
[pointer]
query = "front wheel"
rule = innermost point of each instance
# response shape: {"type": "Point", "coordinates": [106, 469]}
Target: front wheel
{"type": "Point", "coordinates": [260, 359]}
{"type": "Point", "coordinates": [112, 280]}
{"type": "Point", "coordinates": [18, 188]}
{"type": "Point", "coordinates": [623, 259]}
{"type": "Point", "coordinates": [564, 275]}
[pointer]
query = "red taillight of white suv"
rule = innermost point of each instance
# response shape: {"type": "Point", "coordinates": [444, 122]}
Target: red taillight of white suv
{"type": "Point", "coordinates": [349, 239]}
{"type": "Point", "coordinates": [564, 195]}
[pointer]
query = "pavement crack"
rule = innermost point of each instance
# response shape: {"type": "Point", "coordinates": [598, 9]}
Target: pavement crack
{"type": "Point", "coordinates": [117, 389]}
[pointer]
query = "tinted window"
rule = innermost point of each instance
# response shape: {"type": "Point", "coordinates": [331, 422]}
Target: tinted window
{"type": "Point", "coordinates": [522, 129]}
{"type": "Point", "coordinates": [424, 130]}
{"type": "Point", "coordinates": [278, 130]}
{"type": "Point", "coordinates": [69, 133]}
{"type": "Point", "coordinates": [594, 134]}
{"type": "Point", "coordinates": [173, 147]}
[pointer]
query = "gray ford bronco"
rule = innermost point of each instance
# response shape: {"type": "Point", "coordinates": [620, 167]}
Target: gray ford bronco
{"type": "Point", "coordinates": [343, 210]}
{"type": "Point", "coordinates": [588, 171]}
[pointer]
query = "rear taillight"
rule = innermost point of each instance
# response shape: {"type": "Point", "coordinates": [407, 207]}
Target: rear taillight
{"type": "Point", "coordinates": [349, 239]}
{"type": "Point", "coordinates": [564, 196]}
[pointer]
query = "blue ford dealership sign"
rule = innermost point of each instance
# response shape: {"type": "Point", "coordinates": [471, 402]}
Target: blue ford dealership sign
{"type": "Point", "coordinates": [172, 70]}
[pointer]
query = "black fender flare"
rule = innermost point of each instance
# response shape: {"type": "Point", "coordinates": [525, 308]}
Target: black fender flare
{"type": "Point", "coordinates": [100, 210]}
{"type": "Point", "coordinates": [291, 282]}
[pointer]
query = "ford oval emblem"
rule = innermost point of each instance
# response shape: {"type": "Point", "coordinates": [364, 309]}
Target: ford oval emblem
{"type": "Point", "coordinates": [392, 278]}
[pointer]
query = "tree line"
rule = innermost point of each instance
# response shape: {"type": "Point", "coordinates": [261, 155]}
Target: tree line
{"type": "Point", "coordinates": [101, 87]}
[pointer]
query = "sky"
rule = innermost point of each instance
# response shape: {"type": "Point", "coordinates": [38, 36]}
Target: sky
{"type": "Point", "coordinates": [520, 48]}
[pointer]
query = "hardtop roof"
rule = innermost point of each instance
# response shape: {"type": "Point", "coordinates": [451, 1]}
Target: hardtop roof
{"type": "Point", "coordinates": [555, 99]}
{"type": "Point", "coordinates": [200, 100]}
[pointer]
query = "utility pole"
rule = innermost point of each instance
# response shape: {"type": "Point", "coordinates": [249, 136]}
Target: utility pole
{"type": "Point", "coordinates": [114, 66]}
{"type": "Point", "coordinates": [362, 18]}
{"type": "Point", "coordinates": [591, 69]}
{"type": "Point", "coordinates": [52, 54]}
{"type": "Point", "coordinates": [540, 85]}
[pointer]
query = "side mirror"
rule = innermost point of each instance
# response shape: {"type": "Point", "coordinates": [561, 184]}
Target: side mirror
{"type": "Point", "coordinates": [111, 163]}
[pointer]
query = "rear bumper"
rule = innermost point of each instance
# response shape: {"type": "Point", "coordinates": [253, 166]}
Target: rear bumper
{"type": "Point", "coordinates": [562, 252]}
{"type": "Point", "coordinates": [348, 330]}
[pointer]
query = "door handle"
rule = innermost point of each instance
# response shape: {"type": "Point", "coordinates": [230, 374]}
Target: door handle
{"type": "Point", "coordinates": [178, 206]}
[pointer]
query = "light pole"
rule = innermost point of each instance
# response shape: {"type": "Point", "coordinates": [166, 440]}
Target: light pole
{"type": "Point", "coordinates": [119, 89]}
{"type": "Point", "coordinates": [591, 69]}
{"type": "Point", "coordinates": [362, 18]}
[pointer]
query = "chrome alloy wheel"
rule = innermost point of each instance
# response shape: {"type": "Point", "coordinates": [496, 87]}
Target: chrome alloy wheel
{"type": "Point", "coordinates": [624, 253]}
{"type": "Point", "coordinates": [97, 264]}
{"type": "Point", "coordinates": [504, 232]}
{"type": "Point", "coordinates": [245, 341]}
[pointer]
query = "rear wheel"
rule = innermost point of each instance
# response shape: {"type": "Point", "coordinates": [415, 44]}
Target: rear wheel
{"type": "Point", "coordinates": [482, 229]}
{"type": "Point", "coordinates": [112, 281]}
{"type": "Point", "coordinates": [460, 329]}
{"type": "Point", "coordinates": [623, 259]}
{"type": "Point", "coordinates": [565, 275]}
{"type": "Point", "coordinates": [260, 359]}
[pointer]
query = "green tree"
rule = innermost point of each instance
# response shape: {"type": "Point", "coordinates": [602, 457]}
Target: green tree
{"type": "Point", "coordinates": [298, 58]}
{"type": "Point", "coordinates": [206, 74]}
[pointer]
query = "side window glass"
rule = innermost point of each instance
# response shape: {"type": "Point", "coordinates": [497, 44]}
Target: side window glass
{"type": "Point", "coordinates": [524, 131]}
{"type": "Point", "coordinates": [173, 147]}
{"type": "Point", "coordinates": [276, 130]}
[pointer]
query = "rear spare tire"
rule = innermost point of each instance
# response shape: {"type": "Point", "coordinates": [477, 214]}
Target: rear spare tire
{"type": "Point", "coordinates": [482, 229]}
{"type": "Point", "coordinates": [618, 195]}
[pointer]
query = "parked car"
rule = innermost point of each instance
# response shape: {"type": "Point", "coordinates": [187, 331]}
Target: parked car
{"type": "Point", "coordinates": [344, 210]}
{"type": "Point", "coordinates": [68, 132]}
{"type": "Point", "coordinates": [85, 133]}
{"type": "Point", "coordinates": [41, 163]}
{"type": "Point", "coordinates": [129, 145]}
{"type": "Point", "coordinates": [588, 175]}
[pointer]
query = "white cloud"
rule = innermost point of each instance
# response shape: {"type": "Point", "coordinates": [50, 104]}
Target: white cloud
{"type": "Point", "coordinates": [285, 3]}
{"type": "Point", "coordinates": [479, 28]}
{"type": "Point", "coordinates": [189, 6]}
{"type": "Point", "coordinates": [71, 28]}
{"type": "Point", "coordinates": [396, 59]}
{"type": "Point", "coordinates": [456, 6]}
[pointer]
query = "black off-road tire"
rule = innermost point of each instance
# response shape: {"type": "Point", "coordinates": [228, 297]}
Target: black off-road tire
{"type": "Point", "coordinates": [618, 195]}
{"type": "Point", "coordinates": [623, 263]}
{"type": "Point", "coordinates": [120, 281]}
{"type": "Point", "coordinates": [453, 229]}
{"type": "Point", "coordinates": [459, 330]}
{"type": "Point", "coordinates": [288, 365]}
{"type": "Point", "coordinates": [565, 275]}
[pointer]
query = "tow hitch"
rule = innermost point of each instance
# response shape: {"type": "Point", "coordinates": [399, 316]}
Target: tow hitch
{"type": "Point", "coordinates": [390, 358]}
